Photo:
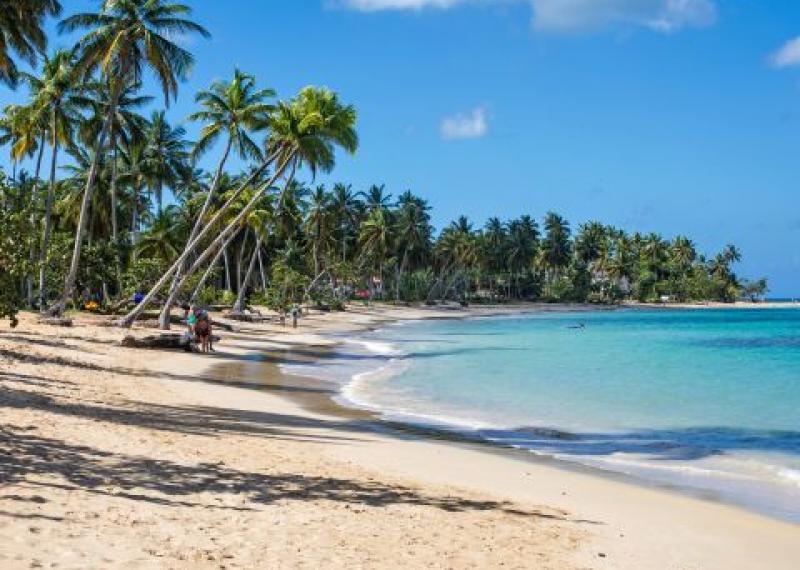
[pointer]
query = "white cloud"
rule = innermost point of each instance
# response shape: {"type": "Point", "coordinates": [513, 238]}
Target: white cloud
{"type": "Point", "coordinates": [465, 126]}
{"type": "Point", "coordinates": [660, 15]}
{"type": "Point", "coordinates": [787, 55]}
{"type": "Point", "coordinates": [577, 15]}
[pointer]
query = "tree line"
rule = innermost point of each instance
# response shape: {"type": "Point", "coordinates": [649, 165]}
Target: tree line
{"type": "Point", "coordinates": [84, 220]}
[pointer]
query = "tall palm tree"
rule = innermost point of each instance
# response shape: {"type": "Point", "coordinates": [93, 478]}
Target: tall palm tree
{"type": "Point", "coordinates": [376, 239]}
{"type": "Point", "coordinates": [57, 100]}
{"type": "Point", "coordinates": [318, 224]}
{"type": "Point", "coordinates": [126, 125]}
{"type": "Point", "coordinates": [21, 32]}
{"type": "Point", "coordinates": [22, 129]}
{"type": "Point", "coordinates": [413, 233]}
{"type": "Point", "coordinates": [25, 127]}
{"type": "Point", "coordinates": [125, 38]}
{"type": "Point", "coordinates": [304, 132]}
{"type": "Point", "coordinates": [134, 175]}
{"type": "Point", "coordinates": [345, 207]}
{"type": "Point", "coordinates": [376, 197]}
{"type": "Point", "coordinates": [166, 152]}
{"type": "Point", "coordinates": [556, 247]}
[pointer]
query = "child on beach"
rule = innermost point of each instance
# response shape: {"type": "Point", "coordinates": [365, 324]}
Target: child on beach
{"type": "Point", "coordinates": [202, 329]}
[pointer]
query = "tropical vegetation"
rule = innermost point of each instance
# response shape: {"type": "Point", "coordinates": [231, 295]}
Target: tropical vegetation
{"type": "Point", "coordinates": [107, 205]}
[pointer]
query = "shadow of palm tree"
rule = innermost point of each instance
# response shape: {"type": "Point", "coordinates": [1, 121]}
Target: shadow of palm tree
{"type": "Point", "coordinates": [47, 462]}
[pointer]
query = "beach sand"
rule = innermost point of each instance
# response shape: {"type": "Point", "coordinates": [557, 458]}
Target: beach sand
{"type": "Point", "coordinates": [116, 457]}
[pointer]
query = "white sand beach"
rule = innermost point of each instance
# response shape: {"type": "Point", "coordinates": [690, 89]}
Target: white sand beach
{"type": "Point", "coordinates": [128, 458]}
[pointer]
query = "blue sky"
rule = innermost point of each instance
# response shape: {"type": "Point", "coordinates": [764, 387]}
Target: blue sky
{"type": "Point", "coordinates": [673, 116]}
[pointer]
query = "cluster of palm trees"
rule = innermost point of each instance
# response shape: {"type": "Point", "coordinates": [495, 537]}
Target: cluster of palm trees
{"type": "Point", "coordinates": [87, 217]}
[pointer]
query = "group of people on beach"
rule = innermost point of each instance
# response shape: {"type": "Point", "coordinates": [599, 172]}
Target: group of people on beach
{"type": "Point", "coordinates": [198, 325]}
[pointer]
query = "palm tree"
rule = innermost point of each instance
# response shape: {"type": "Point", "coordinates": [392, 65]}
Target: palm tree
{"type": "Point", "coordinates": [345, 207]}
{"type": "Point", "coordinates": [376, 239]}
{"type": "Point", "coordinates": [521, 247]}
{"type": "Point", "coordinates": [125, 38]}
{"type": "Point", "coordinates": [413, 233]}
{"type": "Point", "coordinates": [126, 125]}
{"type": "Point", "coordinates": [556, 247]}
{"type": "Point", "coordinates": [235, 109]}
{"type": "Point", "coordinates": [376, 198]}
{"type": "Point", "coordinates": [22, 129]}
{"type": "Point", "coordinates": [318, 224]}
{"type": "Point", "coordinates": [258, 221]}
{"type": "Point", "coordinates": [56, 99]}
{"type": "Point", "coordinates": [304, 133]}
{"type": "Point", "coordinates": [26, 129]}
{"type": "Point", "coordinates": [21, 32]}
{"type": "Point", "coordinates": [134, 175]}
{"type": "Point", "coordinates": [166, 152]}
{"type": "Point", "coordinates": [495, 244]}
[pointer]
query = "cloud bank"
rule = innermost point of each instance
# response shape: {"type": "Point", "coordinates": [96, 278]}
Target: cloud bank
{"type": "Point", "coordinates": [473, 125]}
{"type": "Point", "coordinates": [578, 15]}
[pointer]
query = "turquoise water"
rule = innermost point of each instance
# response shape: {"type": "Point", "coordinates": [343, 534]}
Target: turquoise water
{"type": "Point", "coordinates": [705, 400]}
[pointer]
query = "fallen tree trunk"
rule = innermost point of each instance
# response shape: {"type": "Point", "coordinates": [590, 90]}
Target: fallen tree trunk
{"type": "Point", "coordinates": [56, 321]}
{"type": "Point", "coordinates": [163, 341]}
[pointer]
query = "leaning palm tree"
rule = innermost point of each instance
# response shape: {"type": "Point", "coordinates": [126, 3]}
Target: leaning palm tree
{"type": "Point", "coordinates": [234, 109]}
{"type": "Point", "coordinates": [21, 32]}
{"type": "Point", "coordinates": [258, 221]}
{"type": "Point", "coordinates": [304, 133]}
{"type": "Point", "coordinates": [125, 38]}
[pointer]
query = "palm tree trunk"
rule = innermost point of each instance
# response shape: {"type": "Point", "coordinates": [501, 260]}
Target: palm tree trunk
{"type": "Point", "coordinates": [164, 316]}
{"type": "Point", "coordinates": [240, 261]}
{"type": "Point", "coordinates": [400, 271]}
{"type": "Point", "coordinates": [69, 282]}
{"type": "Point", "coordinates": [39, 160]}
{"type": "Point", "coordinates": [135, 219]}
{"type": "Point", "coordinates": [48, 214]}
{"type": "Point", "coordinates": [114, 228]}
{"type": "Point", "coordinates": [238, 307]}
{"type": "Point", "coordinates": [227, 268]}
{"type": "Point", "coordinates": [128, 319]}
{"type": "Point", "coordinates": [34, 194]}
{"type": "Point", "coordinates": [261, 271]}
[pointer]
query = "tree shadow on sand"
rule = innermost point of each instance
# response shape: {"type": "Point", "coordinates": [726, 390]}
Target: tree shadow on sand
{"type": "Point", "coordinates": [44, 462]}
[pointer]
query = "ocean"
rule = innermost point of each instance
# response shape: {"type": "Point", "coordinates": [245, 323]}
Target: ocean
{"type": "Point", "coordinates": [702, 400]}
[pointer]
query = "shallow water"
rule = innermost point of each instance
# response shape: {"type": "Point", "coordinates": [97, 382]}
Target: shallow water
{"type": "Point", "coordinates": [707, 400]}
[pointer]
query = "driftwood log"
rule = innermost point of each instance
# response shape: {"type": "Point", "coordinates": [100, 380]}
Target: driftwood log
{"type": "Point", "coordinates": [56, 321]}
{"type": "Point", "coordinates": [248, 317]}
{"type": "Point", "coordinates": [163, 341]}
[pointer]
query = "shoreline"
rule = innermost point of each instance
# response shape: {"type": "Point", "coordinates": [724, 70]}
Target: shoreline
{"type": "Point", "coordinates": [449, 504]}
{"type": "Point", "coordinates": [433, 443]}
{"type": "Point", "coordinates": [335, 399]}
